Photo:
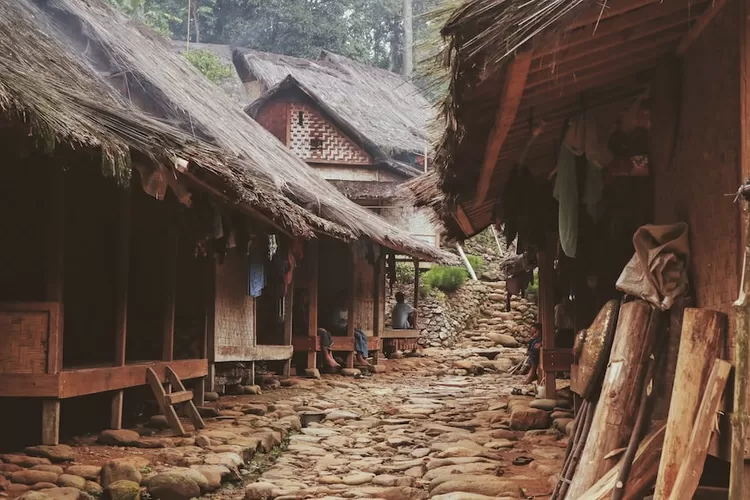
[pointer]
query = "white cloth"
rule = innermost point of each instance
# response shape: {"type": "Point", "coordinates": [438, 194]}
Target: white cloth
{"type": "Point", "coordinates": [400, 316]}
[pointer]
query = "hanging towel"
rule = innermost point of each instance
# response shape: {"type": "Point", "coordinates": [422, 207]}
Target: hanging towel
{"type": "Point", "coordinates": [257, 272]}
{"type": "Point", "coordinates": [566, 193]}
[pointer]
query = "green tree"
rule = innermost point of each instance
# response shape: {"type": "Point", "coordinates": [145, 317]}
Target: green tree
{"type": "Point", "coordinates": [209, 64]}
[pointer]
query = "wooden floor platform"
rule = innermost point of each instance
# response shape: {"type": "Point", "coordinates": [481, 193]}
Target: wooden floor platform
{"type": "Point", "coordinates": [83, 381]}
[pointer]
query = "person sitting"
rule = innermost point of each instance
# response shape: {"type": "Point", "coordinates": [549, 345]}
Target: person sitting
{"type": "Point", "coordinates": [340, 324]}
{"type": "Point", "coordinates": [402, 315]}
{"type": "Point", "coordinates": [533, 353]}
{"type": "Point", "coordinates": [326, 349]}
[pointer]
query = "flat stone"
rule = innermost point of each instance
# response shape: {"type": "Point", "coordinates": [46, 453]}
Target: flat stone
{"type": "Point", "coordinates": [30, 477]}
{"type": "Point", "coordinates": [57, 453]}
{"type": "Point", "coordinates": [259, 491]}
{"type": "Point", "coordinates": [351, 372]}
{"type": "Point", "coordinates": [211, 396]}
{"type": "Point", "coordinates": [525, 418]}
{"type": "Point", "coordinates": [544, 404]}
{"type": "Point", "coordinates": [561, 414]}
{"type": "Point", "coordinates": [252, 389]}
{"type": "Point", "coordinates": [391, 480]}
{"type": "Point", "coordinates": [24, 460]}
{"type": "Point", "coordinates": [225, 459]}
{"type": "Point", "coordinates": [489, 485]}
{"type": "Point", "coordinates": [71, 481]}
{"type": "Point", "coordinates": [8, 468]}
{"type": "Point", "coordinates": [118, 470]}
{"type": "Point", "coordinates": [503, 340]}
{"type": "Point", "coordinates": [208, 412]}
{"type": "Point", "coordinates": [214, 475]}
{"type": "Point", "coordinates": [330, 480]}
{"type": "Point", "coordinates": [124, 490]}
{"type": "Point", "coordinates": [158, 422]}
{"type": "Point", "coordinates": [49, 468]}
{"type": "Point", "coordinates": [500, 444]}
{"type": "Point", "coordinates": [358, 478]}
{"type": "Point", "coordinates": [337, 415]}
{"type": "Point", "coordinates": [254, 409]}
{"type": "Point", "coordinates": [119, 437]}
{"type": "Point", "coordinates": [43, 486]}
{"type": "Point", "coordinates": [65, 494]}
{"type": "Point", "coordinates": [461, 495]}
{"type": "Point", "coordinates": [561, 424]}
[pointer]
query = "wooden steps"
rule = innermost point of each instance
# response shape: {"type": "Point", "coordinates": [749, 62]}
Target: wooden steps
{"type": "Point", "coordinates": [167, 400]}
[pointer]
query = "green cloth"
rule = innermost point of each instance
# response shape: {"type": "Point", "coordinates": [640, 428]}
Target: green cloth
{"type": "Point", "coordinates": [566, 193]}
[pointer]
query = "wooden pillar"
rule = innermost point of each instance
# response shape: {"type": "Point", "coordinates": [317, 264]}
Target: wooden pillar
{"type": "Point", "coordinates": [416, 291]}
{"type": "Point", "coordinates": [170, 274]}
{"type": "Point", "coordinates": [352, 302]}
{"type": "Point", "coordinates": [121, 300]}
{"type": "Point", "coordinates": [288, 318]}
{"type": "Point", "coordinates": [377, 290]}
{"type": "Point", "coordinates": [545, 258]}
{"type": "Point", "coordinates": [312, 294]}
{"type": "Point", "coordinates": [210, 305]}
{"type": "Point", "coordinates": [54, 293]}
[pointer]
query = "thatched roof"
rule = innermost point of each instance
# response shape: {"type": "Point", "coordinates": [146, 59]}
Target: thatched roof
{"type": "Point", "coordinates": [558, 57]}
{"type": "Point", "coordinates": [376, 105]}
{"type": "Point", "coordinates": [61, 65]}
{"type": "Point", "coordinates": [231, 85]}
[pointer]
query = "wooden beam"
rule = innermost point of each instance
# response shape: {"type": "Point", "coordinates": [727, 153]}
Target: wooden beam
{"type": "Point", "coordinates": [711, 11]}
{"type": "Point", "coordinates": [463, 221]}
{"type": "Point", "coordinates": [692, 462]}
{"type": "Point", "coordinates": [170, 283]}
{"type": "Point", "coordinates": [255, 353]}
{"type": "Point", "coordinates": [510, 98]}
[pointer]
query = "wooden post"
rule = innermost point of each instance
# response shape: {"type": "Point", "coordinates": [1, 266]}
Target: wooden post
{"type": "Point", "coordinates": [210, 327]}
{"type": "Point", "coordinates": [121, 301]}
{"type": "Point", "coordinates": [695, 457]}
{"type": "Point", "coordinates": [615, 412]}
{"type": "Point", "coordinates": [545, 258]}
{"type": "Point", "coordinates": [312, 294]}
{"type": "Point", "coordinates": [466, 262]}
{"type": "Point", "coordinates": [288, 318]}
{"type": "Point", "coordinates": [376, 291]}
{"type": "Point", "coordinates": [700, 344]}
{"type": "Point", "coordinates": [416, 292]}
{"type": "Point", "coordinates": [352, 302]}
{"type": "Point", "coordinates": [170, 274]}
{"type": "Point", "coordinates": [51, 421]}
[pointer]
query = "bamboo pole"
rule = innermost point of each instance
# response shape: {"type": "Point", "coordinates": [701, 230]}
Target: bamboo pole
{"type": "Point", "coordinates": [466, 262]}
{"type": "Point", "coordinates": [742, 331]}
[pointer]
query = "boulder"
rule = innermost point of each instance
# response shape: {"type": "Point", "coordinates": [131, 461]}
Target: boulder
{"type": "Point", "coordinates": [119, 470]}
{"type": "Point", "coordinates": [211, 396]}
{"type": "Point", "coordinates": [65, 494]}
{"type": "Point", "coordinates": [50, 468]}
{"type": "Point", "coordinates": [168, 486]}
{"type": "Point", "coordinates": [30, 477]}
{"type": "Point", "coordinates": [57, 453]}
{"type": "Point", "coordinates": [33, 495]}
{"type": "Point", "coordinates": [71, 481]}
{"type": "Point", "coordinates": [7, 469]}
{"type": "Point", "coordinates": [351, 372]}
{"type": "Point", "coordinates": [213, 474]}
{"type": "Point", "coordinates": [192, 474]}
{"type": "Point", "coordinates": [124, 490]}
{"type": "Point", "coordinates": [252, 389]}
{"type": "Point", "coordinates": [259, 491]}
{"type": "Point", "coordinates": [24, 460]}
{"type": "Point", "coordinates": [93, 488]}
{"type": "Point", "coordinates": [525, 418]}
{"type": "Point", "coordinates": [119, 437]}
{"type": "Point", "coordinates": [226, 459]}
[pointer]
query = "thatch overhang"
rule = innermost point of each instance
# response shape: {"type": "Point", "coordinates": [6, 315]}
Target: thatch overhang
{"type": "Point", "coordinates": [514, 64]}
{"type": "Point", "coordinates": [64, 67]}
{"type": "Point", "coordinates": [384, 113]}
{"type": "Point", "coordinates": [367, 190]}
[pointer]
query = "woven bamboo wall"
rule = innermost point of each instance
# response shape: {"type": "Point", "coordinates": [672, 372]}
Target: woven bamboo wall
{"type": "Point", "coordinates": [363, 290]}
{"type": "Point", "coordinates": [234, 324]}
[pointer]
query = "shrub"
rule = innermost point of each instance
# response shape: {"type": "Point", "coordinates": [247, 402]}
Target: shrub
{"type": "Point", "coordinates": [533, 289]}
{"type": "Point", "coordinates": [477, 263]}
{"type": "Point", "coordinates": [404, 273]}
{"type": "Point", "coordinates": [209, 64]}
{"type": "Point", "coordinates": [446, 279]}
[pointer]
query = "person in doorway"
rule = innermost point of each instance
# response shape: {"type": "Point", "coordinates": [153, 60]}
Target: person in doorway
{"type": "Point", "coordinates": [326, 349]}
{"type": "Point", "coordinates": [340, 324]}
{"type": "Point", "coordinates": [402, 315]}
{"type": "Point", "coordinates": [533, 353]}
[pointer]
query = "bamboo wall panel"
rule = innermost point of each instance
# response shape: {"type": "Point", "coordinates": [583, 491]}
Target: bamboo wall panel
{"type": "Point", "coordinates": [23, 341]}
{"type": "Point", "coordinates": [365, 282]}
{"type": "Point", "coordinates": [234, 323]}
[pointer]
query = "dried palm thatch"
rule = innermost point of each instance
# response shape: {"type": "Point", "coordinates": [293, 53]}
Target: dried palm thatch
{"type": "Point", "coordinates": [376, 105]}
{"type": "Point", "coordinates": [62, 63]}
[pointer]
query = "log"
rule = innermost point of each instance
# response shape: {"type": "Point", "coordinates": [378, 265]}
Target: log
{"type": "Point", "coordinates": [616, 412]}
{"type": "Point", "coordinates": [642, 473]}
{"type": "Point", "coordinates": [665, 372]}
{"type": "Point", "coordinates": [700, 344]}
{"type": "Point", "coordinates": [705, 423]}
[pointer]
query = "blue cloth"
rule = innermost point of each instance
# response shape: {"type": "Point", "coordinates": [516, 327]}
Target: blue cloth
{"type": "Point", "coordinates": [360, 342]}
{"type": "Point", "coordinates": [533, 353]}
{"type": "Point", "coordinates": [257, 273]}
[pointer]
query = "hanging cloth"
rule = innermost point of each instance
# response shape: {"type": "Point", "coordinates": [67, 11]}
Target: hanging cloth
{"type": "Point", "coordinates": [257, 271]}
{"type": "Point", "coordinates": [566, 193]}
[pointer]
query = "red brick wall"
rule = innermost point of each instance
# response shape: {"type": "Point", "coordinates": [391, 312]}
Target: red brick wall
{"type": "Point", "coordinates": [705, 166]}
{"type": "Point", "coordinates": [273, 117]}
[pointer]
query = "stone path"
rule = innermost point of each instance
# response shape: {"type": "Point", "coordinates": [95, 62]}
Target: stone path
{"type": "Point", "coordinates": [443, 427]}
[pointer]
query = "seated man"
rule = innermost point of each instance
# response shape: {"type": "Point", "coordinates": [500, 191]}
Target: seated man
{"type": "Point", "coordinates": [326, 349]}
{"type": "Point", "coordinates": [402, 315]}
{"type": "Point", "coordinates": [339, 325]}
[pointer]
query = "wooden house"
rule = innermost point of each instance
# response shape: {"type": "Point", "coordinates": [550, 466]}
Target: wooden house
{"type": "Point", "coordinates": [675, 71]}
{"type": "Point", "coordinates": [362, 128]}
{"type": "Point", "coordinates": [135, 199]}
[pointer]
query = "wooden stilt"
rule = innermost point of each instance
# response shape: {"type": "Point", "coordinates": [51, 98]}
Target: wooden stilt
{"type": "Point", "coordinates": [116, 415]}
{"type": "Point", "coordinates": [121, 301]}
{"type": "Point", "coordinates": [700, 344]}
{"type": "Point", "coordinates": [352, 314]}
{"type": "Point", "coordinates": [210, 305]}
{"type": "Point", "coordinates": [377, 326]}
{"type": "Point", "coordinates": [545, 258]}
{"type": "Point", "coordinates": [199, 392]}
{"type": "Point", "coordinates": [51, 421]}
{"type": "Point", "coordinates": [288, 318]}
{"type": "Point", "coordinates": [170, 274]}
{"type": "Point", "coordinates": [312, 294]}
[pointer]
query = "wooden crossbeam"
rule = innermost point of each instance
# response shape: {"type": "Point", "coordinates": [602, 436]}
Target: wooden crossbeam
{"type": "Point", "coordinates": [463, 221]}
{"type": "Point", "coordinates": [695, 32]}
{"type": "Point", "coordinates": [190, 408]}
{"type": "Point", "coordinates": [510, 98]}
{"type": "Point", "coordinates": [174, 398]}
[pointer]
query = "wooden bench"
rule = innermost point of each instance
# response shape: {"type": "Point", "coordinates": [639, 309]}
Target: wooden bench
{"type": "Point", "coordinates": [401, 339]}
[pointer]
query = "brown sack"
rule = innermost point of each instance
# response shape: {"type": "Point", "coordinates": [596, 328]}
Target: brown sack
{"type": "Point", "coordinates": [657, 273]}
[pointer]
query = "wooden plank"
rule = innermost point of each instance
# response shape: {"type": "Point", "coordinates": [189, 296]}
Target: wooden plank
{"type": "Point", "coordinates": [174, 398]}
{"type": "Point", "coordinates": [199, 392]}
{"type": "Point", "coordinates": [190, 408]}
{"type": "Point", "coordinates": [510, 98]}
{"type": "Point", "coordinates": [691, 467]}
{"type": "Point", "coordinates": [373, 343]}
{"type": "Point", "coordinates": [400, 334]}
{"type": "Point", "coordinates": [306, 344]}
{"type": "Point", "coordinates": [51, 421]}
{"type": "Point", "coordinates": [556, 360]}
{"type": "Point", "coordinates": [80, 382]}
{"type": "Point", "coordinates": [255, 353]}
{"type": "Point", "coordinates": [55, 338]}
{"type": "Point", "coordinates": [170, 282]}
{"type": "Point", "coordinates": [642, 474]}
{"type": "Point", "coordinates": [700, 344]}
{"type": "Point", "coordinates": [615, 414]}
{"type": "Point", "coordinates": [695, 32]}
{"type": "Point", "coordinates": [166, 409]}
{"type": "Point", "coordinates": [32, 385]}
{"type": "Point", "coordinates": [463, 221]}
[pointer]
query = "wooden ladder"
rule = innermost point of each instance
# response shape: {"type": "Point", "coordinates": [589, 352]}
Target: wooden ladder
{"type": "Point", "coordinates": [167, 400]}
